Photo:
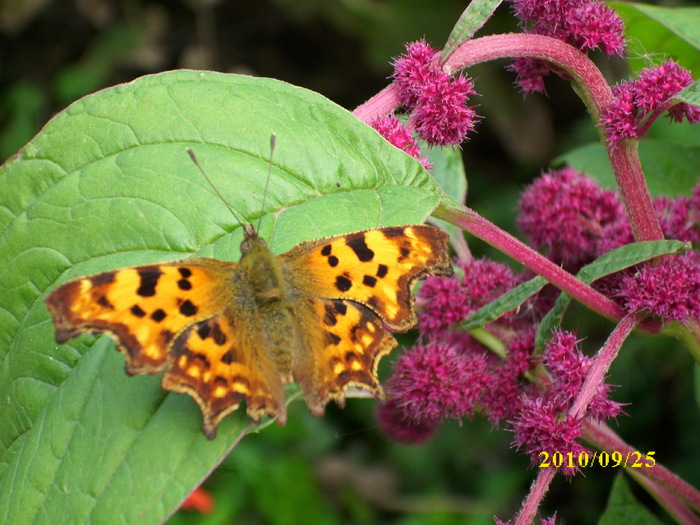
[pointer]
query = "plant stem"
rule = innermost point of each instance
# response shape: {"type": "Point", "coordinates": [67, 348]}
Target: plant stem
{"type": "Point", "coordinates": [488, 232]}
{"type": "Point", "coordinates": [605, 438]}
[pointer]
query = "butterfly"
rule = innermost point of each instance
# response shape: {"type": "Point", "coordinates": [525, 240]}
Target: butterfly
{"type": "Point", "coordinates": [226, 332]}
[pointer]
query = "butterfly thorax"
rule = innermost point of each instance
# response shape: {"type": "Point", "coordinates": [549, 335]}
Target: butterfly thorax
{"type": "Point", "coordinates": [270, 293]}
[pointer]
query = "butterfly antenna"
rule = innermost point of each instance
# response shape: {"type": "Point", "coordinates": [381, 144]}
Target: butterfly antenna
{"type": "Point", "coordinates": [238, 218]}
{"type": "Point", "coordinates": [273, 139]}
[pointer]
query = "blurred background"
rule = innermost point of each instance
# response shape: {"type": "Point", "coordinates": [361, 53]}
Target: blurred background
{"type": "Point", "coordinates": [340, 469]}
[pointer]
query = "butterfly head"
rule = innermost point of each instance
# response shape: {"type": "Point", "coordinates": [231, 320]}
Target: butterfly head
{"type": "Point", "coordinates": [252, 242]}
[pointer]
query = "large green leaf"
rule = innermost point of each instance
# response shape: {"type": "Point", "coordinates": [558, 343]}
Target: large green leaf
{"type": "Point", "coordinates": [670, 166]}
{"type": "Point", "coordinates": [108, 183]}
{"type": "Point", "coordinates": [623, 507]}
{"type": "Point", "coordinates": [654, 32]}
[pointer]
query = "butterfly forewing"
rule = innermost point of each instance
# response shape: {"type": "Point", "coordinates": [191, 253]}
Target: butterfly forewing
{"type": "Point", "coordinates": [375, 267]}
{"type": "Point", "coordinates": [143, 308]}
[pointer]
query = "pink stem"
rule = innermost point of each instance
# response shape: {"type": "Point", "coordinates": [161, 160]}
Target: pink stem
{"type": "Point", "coordinates": [605, 438]}
{"type": "Point", "coordinates": [538, 489]}
{"type": "Point", "coordinates": [591, 87]}
{"type": "Point", "coordinates": [478, 226]}
{"type": "Point", "coordinates": [602, 362]}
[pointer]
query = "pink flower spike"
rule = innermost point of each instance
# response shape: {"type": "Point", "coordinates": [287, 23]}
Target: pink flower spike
{"type": "Point", "coordinates": [540, 428]}
{"type": "Point", "coordinates": [637, 103]}
{"type": "Point", "coordinates": [657, 84]}
{"type": "Point", "coordinates": [438, 102]}
{"type": "Point", "coordinates": [569, 368]}
{"type": "Point", "coordinates": [594, 25]}
{"type": "Point", "coordinates": [446, 302]}
{"type": "Point", "coordinates": [434, 381]}
{"type": "Point", "coordinates": [669, 290]}
{"type": "Point", "coordinates": [566, 213]}
{"type": "Point", "coordinates": [413, 71]}
{"type": "Point", "coordinates": [584, 24]}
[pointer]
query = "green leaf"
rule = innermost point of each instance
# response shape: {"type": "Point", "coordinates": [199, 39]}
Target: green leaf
{"type": "Point", "coordinates": [613, 261]}
{"type": "Point", "coordinates": [670, 166]}
{"type": "Point", "coordinates": [472, 19]}
{"type": "Point", "coordinates": [448, 171]}
{"type": "Point", "coordinates": [629, 255]}
{"type": "Point", "coordinates": [508, 301]}
{"type": "Point", "coordinates": [624, 508]}
{"type": "Point", "coordinates": [108, 183]}
{"type": "Point", "coordinates": [690, 95]}
{"type": "Point", "coordinates": [655, 31]}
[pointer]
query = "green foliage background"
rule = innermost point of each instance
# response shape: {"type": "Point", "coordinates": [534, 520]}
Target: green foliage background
{"type": "Point", "coordinates": [338, 469]}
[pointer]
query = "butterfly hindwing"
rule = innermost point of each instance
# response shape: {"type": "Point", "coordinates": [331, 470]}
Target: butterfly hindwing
{"type": "Point", "coordinates": [218, 362]}
{"type": "Point", "coordinates": [344, 350]}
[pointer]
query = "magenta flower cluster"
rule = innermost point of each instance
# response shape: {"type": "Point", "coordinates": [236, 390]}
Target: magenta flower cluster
{"type": "Point", "coordinates": [451, 375]}
{"type": "Point", "coordinates": [436, 102]}
{"type": "Point", "coordinates": [669, 289]}
{"type": "Point", "coordinates": [638, 102]}
{"type": "Point", "coordinates": [574, 220]}
{"type": "Point", "coordinates": [584, 24]}
{"type": "Point", "coordinates": [395, 133]}
{"type": "Point", "coordinates": [568, 215]}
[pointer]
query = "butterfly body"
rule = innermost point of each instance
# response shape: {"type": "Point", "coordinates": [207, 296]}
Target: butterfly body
{"type": "Point", "coordinates": [226, 332]}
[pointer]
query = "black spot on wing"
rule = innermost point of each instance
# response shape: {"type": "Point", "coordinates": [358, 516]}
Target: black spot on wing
{"type": "Point", "coordinates": [203, 330]}
{"type": "Point", "coordinates": [184, 284]}
{"type": "Point", "coordinates": [359, 246]}
{"type": "Point", "coordinates": [188, 308]}
{"type": "Point", "coordinates": [342, 283]}
{"type": "Point", "coordinates": [382, 270]}
{"type": "Point", "coordinates": [158, 315]}
{"type": "Point", "coordinates": [332, 259]}
{"type": "Point", "coordinates": [340, 307]}
{"type": "Point", "coordinates": [218, 336]}
{"type": "Point", "coordinates": [185, 272]}
{"type": "Point", "coordinates": [333, 338]}
{"type": "Point", "coordinates": [229, 357]}
{"type": "Point", "coordinates": [104, 302]}
{"type": "Point", "coordinates": [137, 311]}
{"type": "Point", "coordinates": [370, 281]}
{"type": "Point", "coordinates": [394, 231]}
{"type": "Point", "coordinates": [149, 280]}
{"type": "Point", "coordinates": [329, 316]}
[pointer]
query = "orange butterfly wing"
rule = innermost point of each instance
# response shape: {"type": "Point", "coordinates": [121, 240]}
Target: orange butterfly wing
{"type": "Point", "coordinates": [358, 283]}
{"type": "Point", "coordinates": [177, 317]}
